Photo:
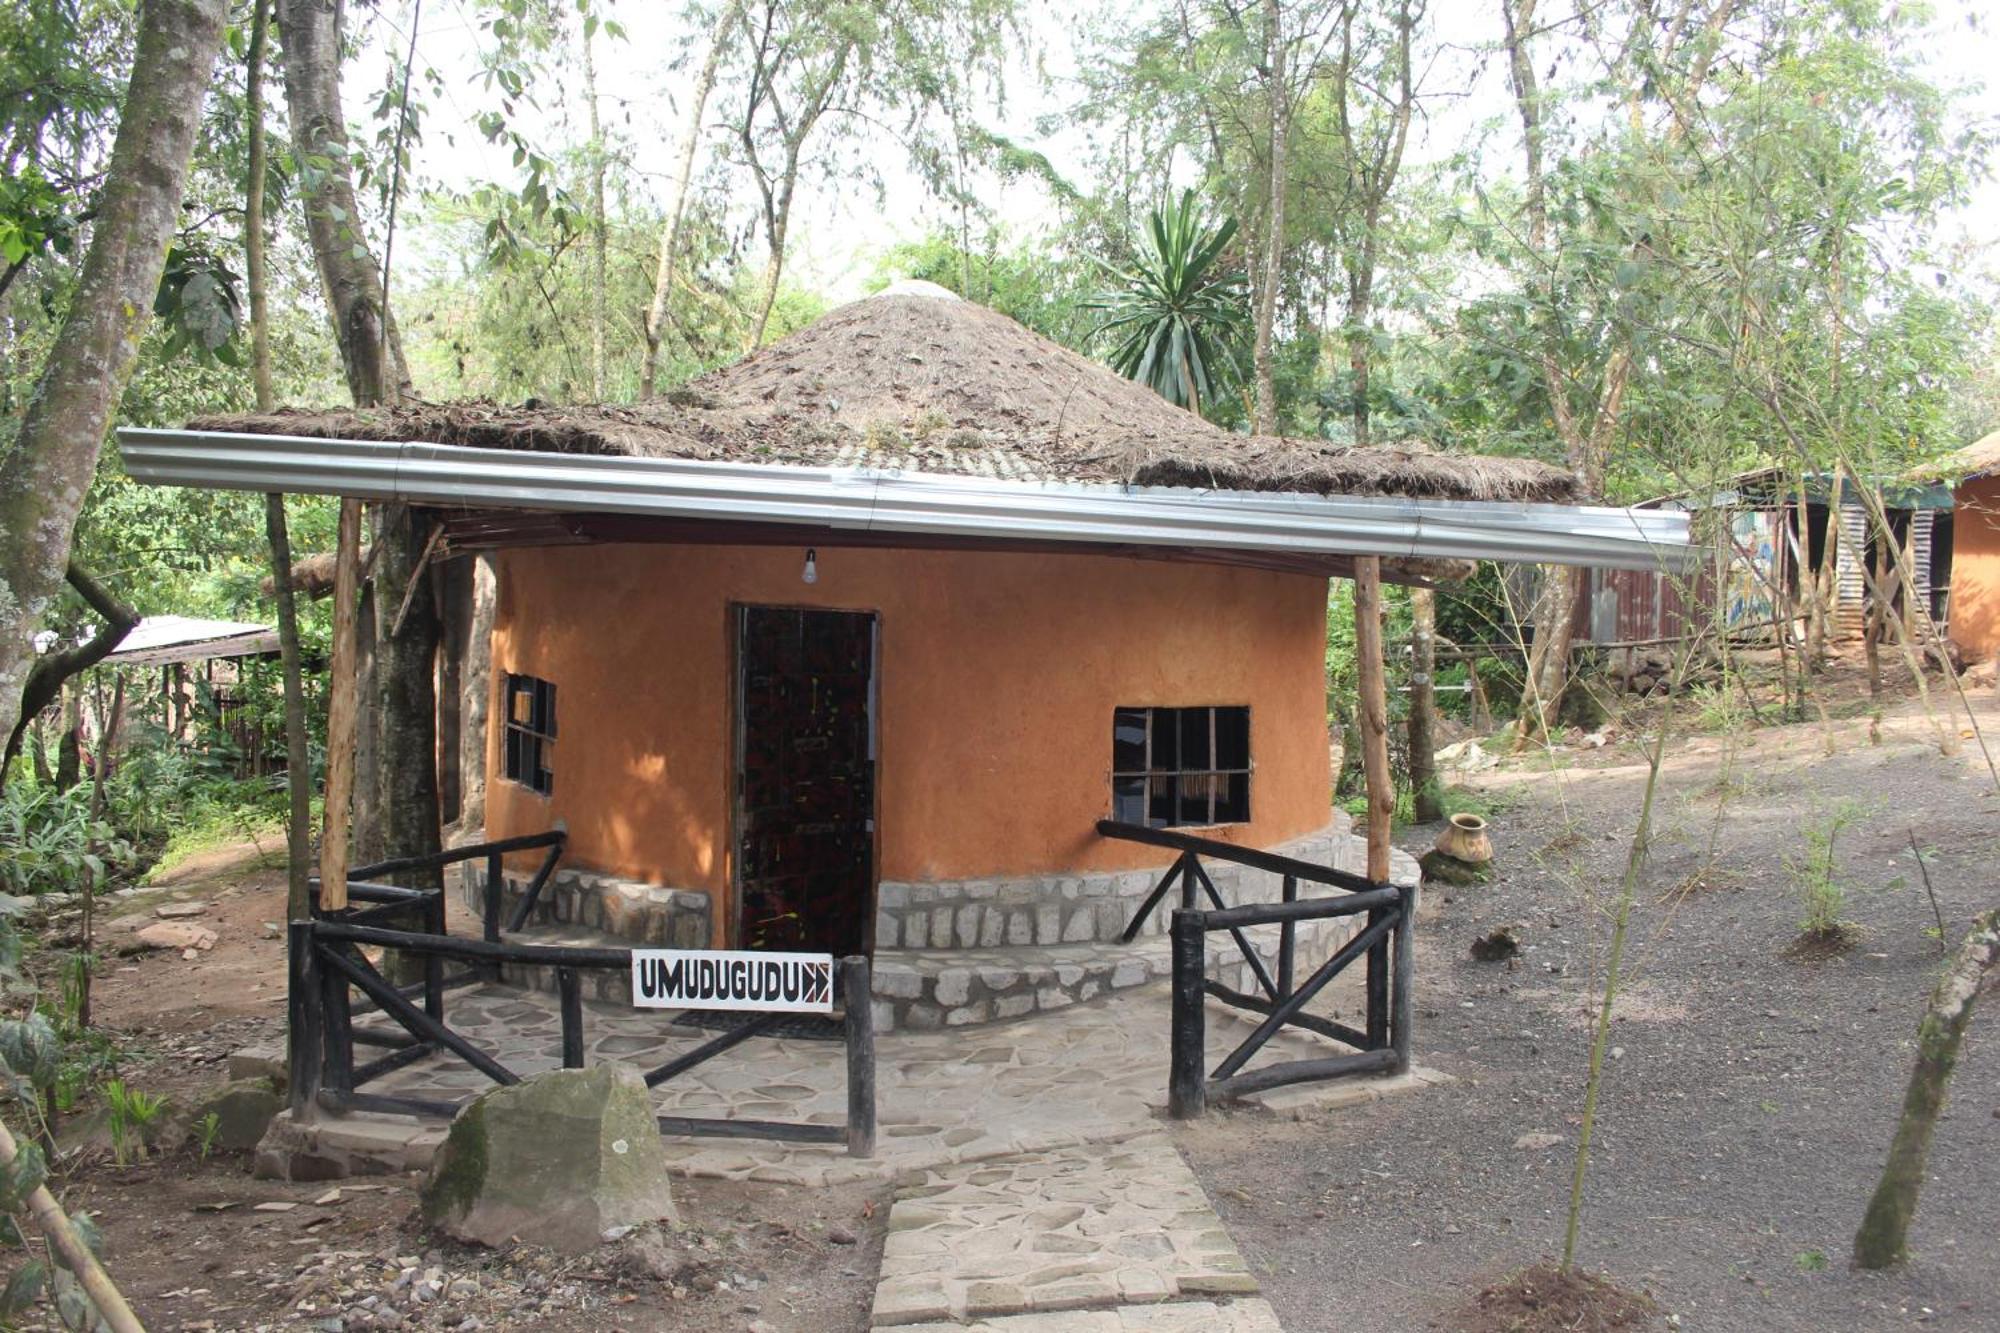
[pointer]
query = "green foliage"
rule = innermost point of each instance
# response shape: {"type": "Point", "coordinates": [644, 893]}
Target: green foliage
{"type": "Point", "coordinates": [53, 843]}
{"type": "Point", "coordinates": [1815, 870]}
{"type": "Point", "coordinates": [1177, 309]}
{"type": "Point", "coordinates": [206, 1131]}
{"type": "Point", "coordinates": [1045, 288]}
{"type": "Point", "coordinates": [133, 1114]}
{"type": "Point", "coordinates": [32, 1053]}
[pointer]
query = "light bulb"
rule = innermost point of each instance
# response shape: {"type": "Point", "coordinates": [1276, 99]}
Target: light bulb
{"type": "Point", "coordinates": [811, 574]}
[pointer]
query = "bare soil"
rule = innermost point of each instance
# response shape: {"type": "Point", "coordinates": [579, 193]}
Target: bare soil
{"type": "Point", "coordinates": [188, 1243]}
{"type": "Point", "coordinates": [1545, 1299]}
{"type": "Point", "coordinates": [1749, 1094]}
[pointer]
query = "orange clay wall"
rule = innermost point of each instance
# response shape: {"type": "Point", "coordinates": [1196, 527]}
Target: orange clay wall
{"type": "Point", "coordinates": [1975, 568]}
{"type": "Point", "coordinates": [997, 678]}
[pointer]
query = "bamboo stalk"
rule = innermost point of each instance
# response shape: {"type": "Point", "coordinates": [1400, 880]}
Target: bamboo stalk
{"type": "Point", "coordinates": [76, 1256]}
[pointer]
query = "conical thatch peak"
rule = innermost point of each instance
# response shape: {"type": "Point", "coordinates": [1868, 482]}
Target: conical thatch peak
{"type": "Point", "coordinates": [928, 382]}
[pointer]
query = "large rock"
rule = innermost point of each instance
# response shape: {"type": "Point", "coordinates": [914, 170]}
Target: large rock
{"type": "Point", "coordinates": [243, 1110]}
{"type": "Point", "coordinates": [556, 1160]}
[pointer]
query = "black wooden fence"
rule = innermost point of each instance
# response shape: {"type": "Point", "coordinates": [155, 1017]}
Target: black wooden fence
{"type": "Point", "coordinates": [1381, 1045]}
{"type": "Point", "coordinates": [327, 966]}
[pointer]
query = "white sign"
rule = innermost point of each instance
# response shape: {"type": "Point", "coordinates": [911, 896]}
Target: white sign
{"type": "Point", "coordinates": [732, 979]}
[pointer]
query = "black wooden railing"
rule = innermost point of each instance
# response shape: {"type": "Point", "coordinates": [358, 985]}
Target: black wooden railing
{"type": "Point", "coordinates": [1382, 1044]}
{"type": "Point", "coordinates": [327, 966]}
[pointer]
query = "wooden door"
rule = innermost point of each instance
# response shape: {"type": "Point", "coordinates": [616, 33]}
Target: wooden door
{"type": "Point", "coordinates": [805, 779]}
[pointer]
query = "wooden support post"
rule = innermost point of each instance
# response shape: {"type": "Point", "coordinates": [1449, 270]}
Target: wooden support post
{"type": "Point", "coordinates": [1402, 991]}
{"type": "Point", "coordinates": [860, 1056]}
{"type": "Point", "coordinates": [434, 924]}
{"type": "Point", "coordinates": [571, 993]}
{"type": "Point", "coordinates": [341, 707]}
{"type": "Point", "coordinates": [1427, 799]}
{"type": "Point", "coordinates": [303, 1018]}
{"type": "Point", "coordinates": [1376, 986]}
{"type": "Point", "coordinates": [1373, 712]}
{"type": "Point", "coordinates": [489, 907]}
{"type": "Point", "coordinates": [336, 1030]}
{"type": "Point", "coordinates": [1287, 933]}
{"type": "Point", "coordinates": [1187, 1077]}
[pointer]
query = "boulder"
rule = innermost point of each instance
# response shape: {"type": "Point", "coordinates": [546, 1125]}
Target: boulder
{"type": "Point", "coordinates": [243, 1110]}
{"type": "Point", "coordinates": [556, 1160]}
{"type": "Point", "coordinates": [174, 935]}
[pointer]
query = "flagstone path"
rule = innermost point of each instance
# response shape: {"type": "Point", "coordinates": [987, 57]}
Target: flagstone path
{"type": "Point", "coordinates": [1123, 1232]}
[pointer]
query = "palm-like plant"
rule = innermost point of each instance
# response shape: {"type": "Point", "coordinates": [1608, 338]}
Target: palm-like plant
{"type": "Point", "coordinates": [1175, 311]}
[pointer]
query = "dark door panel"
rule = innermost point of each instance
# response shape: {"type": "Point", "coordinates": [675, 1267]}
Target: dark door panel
{"type": "Point", "coordinates": [805, 820]}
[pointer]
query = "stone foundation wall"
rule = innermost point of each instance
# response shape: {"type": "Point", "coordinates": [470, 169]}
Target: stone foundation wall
{"type": "Point", "coordinates": [642, 915]}
{"type": "Point", "coordinates": [1076, 909]}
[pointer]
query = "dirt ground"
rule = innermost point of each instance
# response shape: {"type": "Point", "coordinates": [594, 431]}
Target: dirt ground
{"type": "Point", "coordinates": [189, 1244]}
{"type": "Point", "coordinates": [1748, 1101]}
{"type": "Point", "coordinates": [1749, 1098]}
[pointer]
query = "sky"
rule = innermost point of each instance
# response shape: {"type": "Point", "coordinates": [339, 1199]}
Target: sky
{"type": "Point", "coordinates": [843, 227]}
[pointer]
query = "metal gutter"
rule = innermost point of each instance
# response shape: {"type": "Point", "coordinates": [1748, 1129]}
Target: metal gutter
{"type": "Point", "coordinates": [891, 501]}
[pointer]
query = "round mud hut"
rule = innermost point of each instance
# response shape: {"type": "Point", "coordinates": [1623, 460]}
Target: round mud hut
{"type": "Point", "coordinates": [854, 645]}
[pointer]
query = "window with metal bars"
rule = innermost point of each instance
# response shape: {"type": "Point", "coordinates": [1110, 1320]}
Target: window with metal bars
{"type": "Point", "coordinates": [1180, 766]}
{"type": "Point", "coordinates": [530, 732]}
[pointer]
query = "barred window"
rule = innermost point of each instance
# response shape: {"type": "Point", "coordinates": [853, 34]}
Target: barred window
{"type": "Point", "coordinates": [530, 732]}
{"type": "Point", "coordinates": [1174, 766]}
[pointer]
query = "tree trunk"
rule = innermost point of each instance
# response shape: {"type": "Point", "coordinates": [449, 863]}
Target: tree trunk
{"type": "Point", "coordinates": [1373, 711]}
{"type": "Point", "coordinates": [69, 745]}
{"type": "Point", "coordinates": [405, 691]}
{"type": "Point", "coordinates": [253, 239]}
{"type": "Point", "coordinates": [670, 231]}
{"type": "Point", "coordinates": [347, 268]}
{"type": "Point", "coordinates": [475, 701]}
{"type": "Point", "coordinates": [404, 724]}
{"type": "Point", "coordinates": [1272, 260]}
{"type": "Point", "coordinates": [1428, 800]}
{"type": "Point", "coordinates": [47, 468]}
{"type": "Point", "coordinates": [342, 689]}
{"type": "Point", "coordinates": [1884, 1232]}
{"type": "Point", "coordinates": [1360, 303]}
{"type": "Point", "coordinates": [1554, 618]}
{"type": "Point", "coordinates": [774, 267]}
{"type": "Point", "coordinates": [298, 766]}
{"type": "Point", "coordinates": [599, 224]}
{"type": "Point", "coordinates": [53, 668]}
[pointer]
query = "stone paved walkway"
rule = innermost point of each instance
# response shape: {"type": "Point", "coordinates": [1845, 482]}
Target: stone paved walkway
{"type": "Point", "coordinates": [1094, 1073]}
{"type": "Point", "coordinates": [1098, 1229]}
{"type": "Point", "coordinates": [1246, 1316]}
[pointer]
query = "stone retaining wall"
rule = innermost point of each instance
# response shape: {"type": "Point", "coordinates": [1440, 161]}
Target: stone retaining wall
{"type": "Point", "coordinates": [1076, 909]}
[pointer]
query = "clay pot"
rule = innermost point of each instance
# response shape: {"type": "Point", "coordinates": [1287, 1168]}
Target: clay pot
{"type": "Point", "coordinates": [1464, 839]}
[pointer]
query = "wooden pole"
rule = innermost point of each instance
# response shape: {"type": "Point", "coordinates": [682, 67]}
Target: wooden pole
{"type": "Point", "coordinates": [860, 1025]}
{"type": "Point", "coordinates": [1427, 798]}
{"type": "Point", "coordinates": [340, 711]}
{"type": "Point", "coordinates": [1187, 1076]}
{"type": "Point", "coordinates": [1372, 710]}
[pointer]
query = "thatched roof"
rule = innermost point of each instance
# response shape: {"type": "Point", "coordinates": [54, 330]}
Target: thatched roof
{"type": "Point", "coordinates": [1974, 460]}
{"type": "Point", "coordinates": [935, 384]}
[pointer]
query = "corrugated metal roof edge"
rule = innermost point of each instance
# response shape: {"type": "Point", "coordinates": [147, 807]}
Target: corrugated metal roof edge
{"type": "Point", "coordinates": [889, 501]}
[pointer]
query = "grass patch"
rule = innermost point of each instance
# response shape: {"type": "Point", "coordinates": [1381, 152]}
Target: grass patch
{"type": "Point", "coordinates": [222, 826]}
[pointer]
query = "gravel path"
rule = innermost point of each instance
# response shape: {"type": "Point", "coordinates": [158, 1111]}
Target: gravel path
{"type": "Point", "coordinates": [1750, 1099]}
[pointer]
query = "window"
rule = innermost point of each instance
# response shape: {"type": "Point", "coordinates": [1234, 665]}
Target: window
{"type": "Point", "coordinates": [1180, 766]}
{"type": "Point", "coordinates": [531, 732]}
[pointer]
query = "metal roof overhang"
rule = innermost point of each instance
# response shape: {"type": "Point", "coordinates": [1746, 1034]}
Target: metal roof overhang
{"type": "Point", "coordinates": [888, 501]}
